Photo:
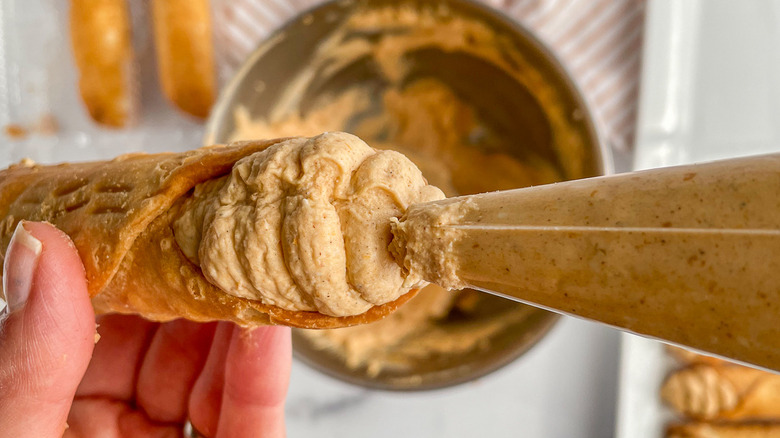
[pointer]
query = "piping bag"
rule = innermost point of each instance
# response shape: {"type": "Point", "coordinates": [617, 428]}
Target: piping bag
{"type": "Point", "coordinates": [689, 255]}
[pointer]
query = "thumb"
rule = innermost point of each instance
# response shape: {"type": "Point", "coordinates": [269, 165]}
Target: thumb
{"type": "Point", "coordinates": [47, 333]}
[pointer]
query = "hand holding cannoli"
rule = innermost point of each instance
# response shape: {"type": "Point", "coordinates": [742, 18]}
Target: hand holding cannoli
{"type": "Point", "coordinates": [133, 377]}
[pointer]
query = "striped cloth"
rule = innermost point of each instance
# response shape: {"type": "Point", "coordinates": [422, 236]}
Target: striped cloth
{"type": "Point", "coordinates": [599, 41]}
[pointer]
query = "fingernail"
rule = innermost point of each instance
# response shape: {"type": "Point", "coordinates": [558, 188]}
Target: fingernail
{"type": "Point", "coordinates": [21, 259]}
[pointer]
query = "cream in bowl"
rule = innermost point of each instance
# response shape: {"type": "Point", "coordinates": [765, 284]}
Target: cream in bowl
{"type": "Point", "coordinates": [474, 101]}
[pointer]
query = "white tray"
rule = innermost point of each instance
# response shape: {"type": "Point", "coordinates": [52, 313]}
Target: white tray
{"type": "Point", "coordinates": [38, 79]}
{"type": "Point", "coordinates": [710, 90]}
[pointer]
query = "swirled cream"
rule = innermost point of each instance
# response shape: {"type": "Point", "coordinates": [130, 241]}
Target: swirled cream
{"type": "Point", "coordinates": [305, 225]}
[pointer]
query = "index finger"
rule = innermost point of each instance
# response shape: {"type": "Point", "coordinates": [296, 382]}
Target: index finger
{"type": "Point", "coordinates": [257, 374]}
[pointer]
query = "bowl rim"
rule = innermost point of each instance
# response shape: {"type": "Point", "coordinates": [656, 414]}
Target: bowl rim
{"type": "Point", "coordinates": [221, 110]}
{"type": "Point", "coordinates": [542, 330]}
{"type": "Point", "coordinates": [601, 156]}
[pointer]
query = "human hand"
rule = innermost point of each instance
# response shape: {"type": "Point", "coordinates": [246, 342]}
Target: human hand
{"type": "Point", "coordinates": [144, 379]}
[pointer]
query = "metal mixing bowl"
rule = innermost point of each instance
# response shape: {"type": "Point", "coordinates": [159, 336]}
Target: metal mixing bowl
{"type": "Point", "coordinates": [513, 110]}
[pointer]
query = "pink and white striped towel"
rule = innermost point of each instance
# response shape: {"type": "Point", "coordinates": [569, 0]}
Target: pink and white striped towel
{"type": "Point", "coordinates": [599, 41]}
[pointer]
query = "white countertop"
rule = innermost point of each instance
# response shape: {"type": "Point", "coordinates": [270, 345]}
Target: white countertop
{"type": "Point", "coordinates": [565, 386]}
